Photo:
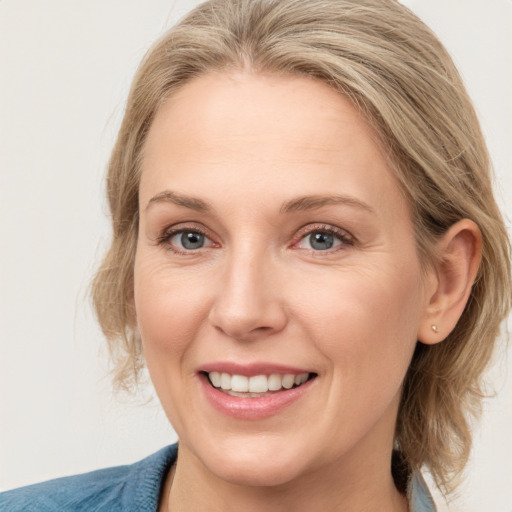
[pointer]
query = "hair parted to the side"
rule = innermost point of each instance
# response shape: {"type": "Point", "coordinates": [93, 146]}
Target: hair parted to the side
{"type": "Point", "coordinates": [382, 57]}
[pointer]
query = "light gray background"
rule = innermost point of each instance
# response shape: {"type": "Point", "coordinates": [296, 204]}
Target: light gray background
{"type": "Point", "coordinates": [65, 68]}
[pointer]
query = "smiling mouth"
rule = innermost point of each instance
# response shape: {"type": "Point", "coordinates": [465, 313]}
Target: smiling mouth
{"type": "Point", "coordinates": [258, 385]}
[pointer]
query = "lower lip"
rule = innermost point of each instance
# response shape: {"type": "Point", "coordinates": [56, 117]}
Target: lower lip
{"type": "Point", "coordinates": [252, 408]}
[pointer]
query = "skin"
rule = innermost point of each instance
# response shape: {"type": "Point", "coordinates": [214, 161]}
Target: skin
{"type": "Point", "coordinates": [247, 144]}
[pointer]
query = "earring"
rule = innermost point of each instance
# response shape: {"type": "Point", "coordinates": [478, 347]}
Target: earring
{"type": "Point", "coordinates": [435, 328]}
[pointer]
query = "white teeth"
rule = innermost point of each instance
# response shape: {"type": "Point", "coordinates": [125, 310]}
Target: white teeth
{"type": "Point", "coordinates": [300, 379]}
{"type": "Point", "coordinates": [239, 383]}
{"type": "Point", "coordinates": [288, 381]}
{"type": "Point", "coordinates": [257, 383]}
{"type": "Point", "coordinates": [225, 381]}
{"type": "Point", "coordinates": [274, 382]}
{"type": "Point", "coordinates": [215, 378]}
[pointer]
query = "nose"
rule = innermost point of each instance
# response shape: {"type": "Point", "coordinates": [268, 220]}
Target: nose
{"type": "Point", "coordinates": [248, 304]}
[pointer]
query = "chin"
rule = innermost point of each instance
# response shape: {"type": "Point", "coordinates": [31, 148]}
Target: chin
{"type": "Point", "coordinates": [260, 463]}
{"type": "Point", "coordinates": [257, 474]}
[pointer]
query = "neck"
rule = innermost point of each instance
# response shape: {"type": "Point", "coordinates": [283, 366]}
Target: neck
{"type": "Point", "coordinates": [362, 488]}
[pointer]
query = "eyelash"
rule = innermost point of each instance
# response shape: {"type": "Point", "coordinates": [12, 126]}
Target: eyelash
{"type": "Point", "coordinates": [343, 236]}
{"type": "Point", "coordinates": [167, 236]}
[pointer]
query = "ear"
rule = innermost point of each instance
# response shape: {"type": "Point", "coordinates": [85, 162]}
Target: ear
{"type": "Point", "coordinates": [450, 281]}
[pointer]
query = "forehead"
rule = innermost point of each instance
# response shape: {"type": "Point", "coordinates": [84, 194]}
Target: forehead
{"type": "Point", "coordinates": [278, 135]}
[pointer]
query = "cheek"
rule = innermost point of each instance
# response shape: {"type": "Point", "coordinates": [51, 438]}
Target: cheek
{"type": "Point", "coordinates": [365, 324]}
{"type": "Point", "coordinates": [169, 308]}
{"type": "Point", "coordinates": [170, 312]}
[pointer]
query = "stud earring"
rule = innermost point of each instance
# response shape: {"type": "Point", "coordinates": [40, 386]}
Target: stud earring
{"type": "Point", "coordinates": [435, 328]}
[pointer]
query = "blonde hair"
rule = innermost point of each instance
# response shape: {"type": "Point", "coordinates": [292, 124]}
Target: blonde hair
{"type": "Point", "coordinates": [393, 68]}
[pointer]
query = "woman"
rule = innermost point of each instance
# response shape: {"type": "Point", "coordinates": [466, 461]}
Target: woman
{"type": "Point", "coordinates": [307, 256]}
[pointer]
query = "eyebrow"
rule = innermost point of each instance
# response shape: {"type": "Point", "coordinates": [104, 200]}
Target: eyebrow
{"type": "Point", "coordinates": [299, 204]}
{"type": "Point", "coordinates": [312, 202]}
{"type": "Point", "coordinates": [193, 203]}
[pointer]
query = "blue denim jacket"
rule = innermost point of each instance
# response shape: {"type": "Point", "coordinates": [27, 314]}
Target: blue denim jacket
{"type": "Point", "coordinates": [133, 488]}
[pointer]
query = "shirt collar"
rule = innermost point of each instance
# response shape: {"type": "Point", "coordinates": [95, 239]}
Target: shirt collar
{"type": "Point", "coordinates": [420, 499]}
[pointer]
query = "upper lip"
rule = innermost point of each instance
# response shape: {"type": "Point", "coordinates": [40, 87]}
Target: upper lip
{"type": "Point", "coordinates": [251, 369]}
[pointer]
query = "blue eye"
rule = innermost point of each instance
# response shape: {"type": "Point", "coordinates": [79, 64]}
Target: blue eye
{"type": "Point", "coordinates": [324, 239]}
{"type": "Point", "coordinates": [189, 240]}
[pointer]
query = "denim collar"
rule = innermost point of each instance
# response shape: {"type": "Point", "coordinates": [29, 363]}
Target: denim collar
{"type": "Point", "coordinates": [420, 499]}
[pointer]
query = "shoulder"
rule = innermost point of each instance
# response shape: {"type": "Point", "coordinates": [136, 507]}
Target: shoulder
{"type": "Point", "coordinates": [123, 488]}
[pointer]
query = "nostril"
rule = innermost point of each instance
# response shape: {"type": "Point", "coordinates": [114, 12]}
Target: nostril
{"type": "Point", "coordinates": [244, 334]}
{"type": "Point", "coordinates": [243, 313]}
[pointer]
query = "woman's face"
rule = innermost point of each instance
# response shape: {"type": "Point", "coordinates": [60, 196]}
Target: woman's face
{"type": "Point", "coordinates": [274, 246]}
